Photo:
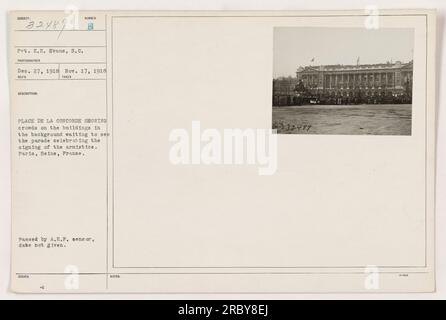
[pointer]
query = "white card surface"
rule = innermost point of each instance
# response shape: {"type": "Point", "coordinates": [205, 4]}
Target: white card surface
{"type": "Point", "coordinates": [223, 151]}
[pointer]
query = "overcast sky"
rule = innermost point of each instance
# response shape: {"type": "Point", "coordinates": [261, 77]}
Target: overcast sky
{"type": "Point", "coordinates": [295, 46]}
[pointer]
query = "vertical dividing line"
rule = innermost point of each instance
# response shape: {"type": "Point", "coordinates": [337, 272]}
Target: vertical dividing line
{"type": "Point", "coordinates": [112, 150]}
{"type": "Point", "coordinates": [426, 147]}
{"type": "Point", "coordinates": [106, 153]}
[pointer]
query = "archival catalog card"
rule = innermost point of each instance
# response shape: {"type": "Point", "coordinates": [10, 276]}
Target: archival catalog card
{"type": "Point", "coordinates": [223, 152]}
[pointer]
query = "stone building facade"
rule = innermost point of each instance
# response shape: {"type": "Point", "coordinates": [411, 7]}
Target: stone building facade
{"type": "Point", "coordinates": [366, 83]}
{"type": "Point", "coordinates": [373, 79]}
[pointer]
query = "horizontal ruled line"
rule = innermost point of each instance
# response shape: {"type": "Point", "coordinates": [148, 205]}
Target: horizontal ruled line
{"type": "Point", "coordinates": [205, 273]}
{"type": "Point", "coordinates": [25, 30]}
{"type": "Point", "coordinates": [60, 63]}
{"type": "Point", "coordinates": [58, 79]}
{"type": "Point", "coordinates": [59, 46]}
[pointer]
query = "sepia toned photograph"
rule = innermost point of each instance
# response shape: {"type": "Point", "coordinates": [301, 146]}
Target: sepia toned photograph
{"type": "Point", "coordinates": [140, 156]}
{"type": "Point", "coordinates": [351, 81]}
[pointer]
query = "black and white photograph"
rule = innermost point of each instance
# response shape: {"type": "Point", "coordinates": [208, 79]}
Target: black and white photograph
{"type": "Point", "coordinates": [223, 151]}
{"type": "Point", "coordinates": [345, 81]}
